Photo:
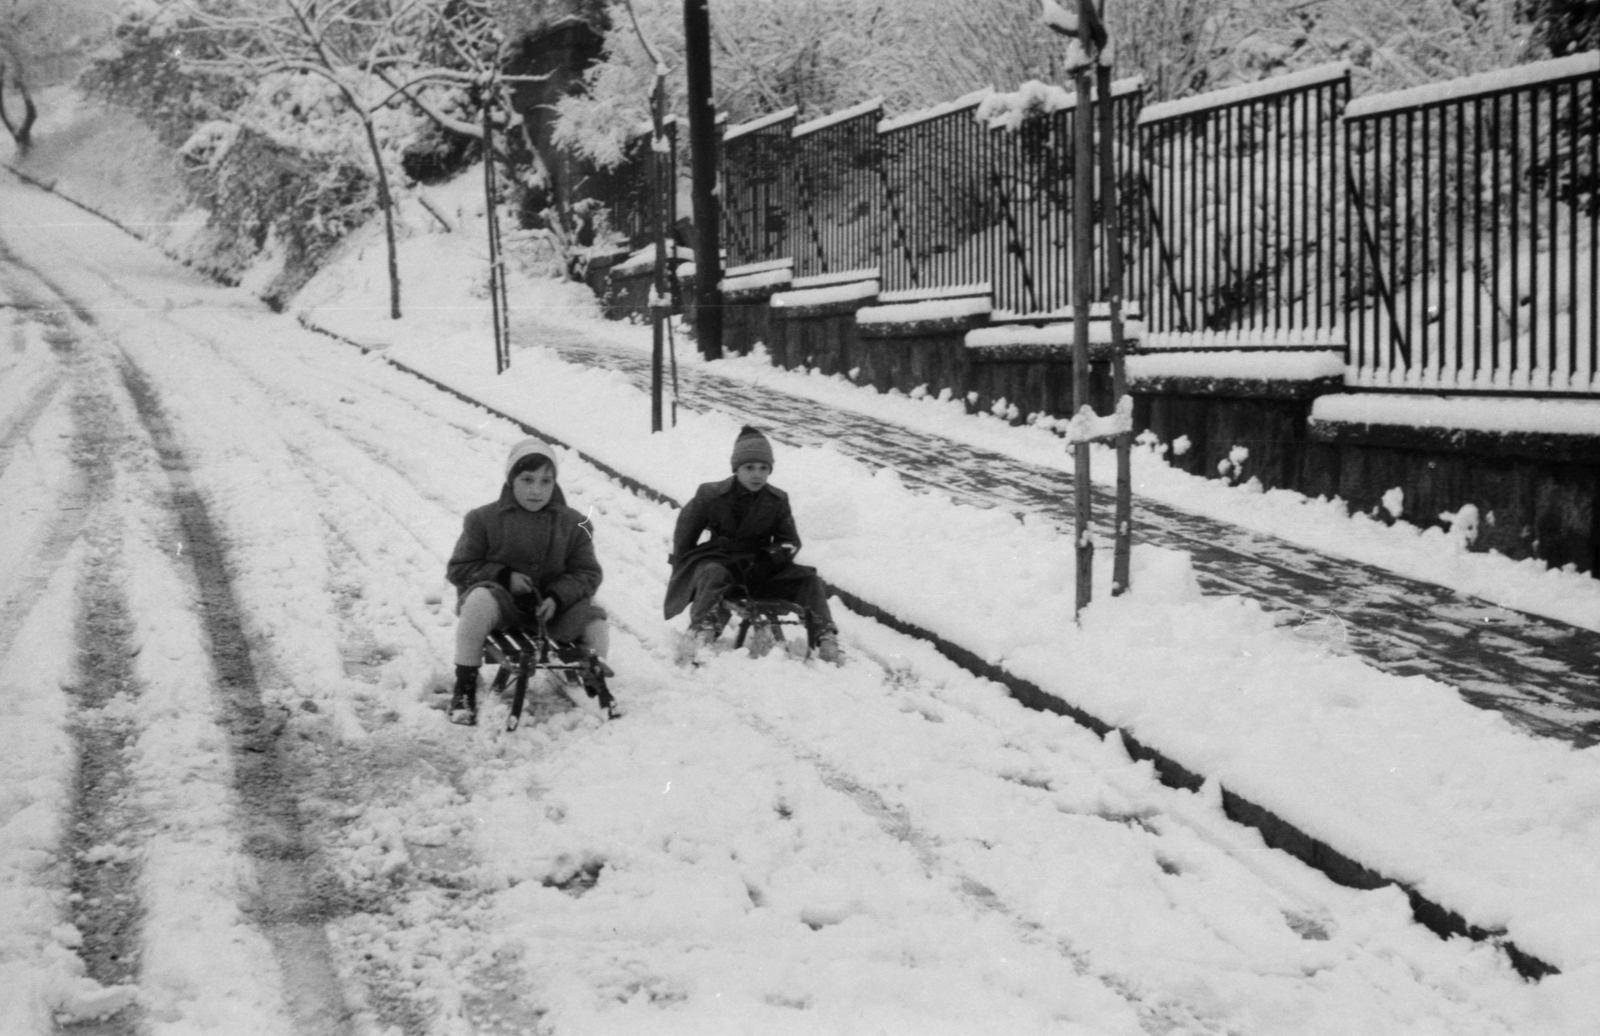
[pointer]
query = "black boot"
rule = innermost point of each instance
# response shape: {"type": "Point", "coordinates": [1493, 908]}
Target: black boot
{"type": "Point", "coordinates": [464, 702]}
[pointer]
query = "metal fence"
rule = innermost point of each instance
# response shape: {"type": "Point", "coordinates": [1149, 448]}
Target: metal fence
{"type": "Point", "coordinates": [1475, 206]}
{"type": "Point", "coordinates": [1443, 236]}
{"type": "Point", "coordinates": [1242, 192]}
{"type": "Point", "coordinates": [757, 188]}
{"type": "Point", "coordinates": [641, 186]}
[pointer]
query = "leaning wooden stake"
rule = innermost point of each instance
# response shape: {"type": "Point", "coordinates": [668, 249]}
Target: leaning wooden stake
{"type": "Point", "coordinates": [660, 300]}
{"type": "Point", "coordinates": [1082, 294]}
{"type": "Point", "coordinates": [497, 275]}
{"type": "Point", "coordinates": [1111, 222]}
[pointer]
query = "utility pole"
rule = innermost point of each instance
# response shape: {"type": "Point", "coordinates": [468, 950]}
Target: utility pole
{"type": "Point", "coordinates": [703, 169]}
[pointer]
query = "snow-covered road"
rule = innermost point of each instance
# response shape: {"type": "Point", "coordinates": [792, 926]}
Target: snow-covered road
{"type": "Point", "coordinates": [229, 804]}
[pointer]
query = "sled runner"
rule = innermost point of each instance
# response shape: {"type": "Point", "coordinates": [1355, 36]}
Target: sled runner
{"type": "Point", "coordinates": [762, 621]}
{"type": "Point", "coordinates": [521, 653]}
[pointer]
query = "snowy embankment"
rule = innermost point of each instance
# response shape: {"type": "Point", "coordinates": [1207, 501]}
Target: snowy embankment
{"type": "Point", "coordinates": [1400, 773]}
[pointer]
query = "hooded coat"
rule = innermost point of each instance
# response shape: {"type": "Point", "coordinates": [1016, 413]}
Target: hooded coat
{"type": "Point", "coordinates": [733, 542]}
{"type": "Point", "coordinates": [553, 546]}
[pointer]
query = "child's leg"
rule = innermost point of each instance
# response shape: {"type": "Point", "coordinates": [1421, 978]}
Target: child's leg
{"type": "Point", "coordinates": [479, 615]}
{"type": "Point", "coordinates": [597, 638]}
{"type": "Point", "coordinates": [710, 581]}
{"type": "Point", "coordinates": [811, 593]}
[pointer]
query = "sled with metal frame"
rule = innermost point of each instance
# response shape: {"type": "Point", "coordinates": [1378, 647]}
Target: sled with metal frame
{"type": "Point", "coordinates": [763, 620]}
{"type": "Point", "coordinates": [521, 653]}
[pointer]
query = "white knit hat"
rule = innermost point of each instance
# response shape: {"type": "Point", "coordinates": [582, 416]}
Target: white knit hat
{"type": "Point", "coordinates": [529, 447]}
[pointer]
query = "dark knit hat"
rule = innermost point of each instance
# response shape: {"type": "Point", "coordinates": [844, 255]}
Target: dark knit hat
{"type": "Point", "coordinates": [751, 445]}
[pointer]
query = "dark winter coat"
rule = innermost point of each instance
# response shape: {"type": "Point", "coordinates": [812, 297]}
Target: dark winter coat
{"type": "Point", "coordinates": [553, 546]}
{"type": "Point", "coordinates": [734, 543]}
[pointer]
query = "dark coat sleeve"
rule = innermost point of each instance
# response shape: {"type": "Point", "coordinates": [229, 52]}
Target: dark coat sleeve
{"type": "Point", "coordinates": [582, 575]}
{"type": "Point", "coordinates": [784, 530]}
{"type": "Point", "coordinates": [468, 561]}
{"type": "Point", "coordinates": [692, 521]}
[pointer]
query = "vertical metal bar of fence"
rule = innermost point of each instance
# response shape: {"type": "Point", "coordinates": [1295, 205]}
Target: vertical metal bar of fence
{"type": "Point", "coordinates": [1240, 143]}
{"type": "Point", "coordinates": [1514, 248]}
{"type": "Point", "coordinates": [1340, 301]}
{"type": "Point", "coordinates": [1533, 241]}
{"type": "Point", "coordinates": [1458, 262]}
{"type": "Point", "coordinates": [1355, 155]}
{"type": "Point", "coordinates": [1298, 234]}
{"type": "Point", "coordinates": [1400, 271]}
{"type": "Point", "coordinates": [1423, 189]}
{"type": "Point", "coordinates": [1271, 231]}
{"type": "Point", "coordinates": [1594, 237]}
{"type": "Point", "coordinates": [1194, 231]}
{"type": "Point", "coordinates": [1194, 235]}
{"type": "Point", "coordinates": [1477, 245]}
{"type": "Point", "coordinates": [1552, 233]}
{"type": "Point", "coordinates": [1405, 191]}
{"type": "Point", "coordinates": [1572, 237]}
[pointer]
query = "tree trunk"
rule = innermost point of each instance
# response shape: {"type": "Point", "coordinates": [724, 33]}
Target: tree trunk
{"type": "Point", "coordinates": [23, 133]}
{"type": "Point", "coordinates": [386, 202]}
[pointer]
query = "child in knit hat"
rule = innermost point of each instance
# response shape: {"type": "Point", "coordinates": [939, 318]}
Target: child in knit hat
{"type": "Point", "coordinates": [525, 557]}
{"type": "Point", "coordinates": [752, 542]}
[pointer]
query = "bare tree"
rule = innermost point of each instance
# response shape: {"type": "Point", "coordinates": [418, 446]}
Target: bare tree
{"type": "Point", "coordinates": [39, 39]}
{"type": "Point", "coordinates": [372, 54]}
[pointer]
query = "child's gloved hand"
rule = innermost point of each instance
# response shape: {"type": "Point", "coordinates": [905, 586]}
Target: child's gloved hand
{"type": "Point", "coordinates": [521, 583]}
{"type": "Point", "coordinates": [547, 609]}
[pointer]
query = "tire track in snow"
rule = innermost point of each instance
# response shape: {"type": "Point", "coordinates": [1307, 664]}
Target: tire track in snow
{"type": "Point", "coordinates": [70, 503]}
{"type": "Point", "coordinates": [295, 901]}
{"type": "Point", "coordinates": [342, 783]}
{"type": "Point", "coordinates": [103, 830]}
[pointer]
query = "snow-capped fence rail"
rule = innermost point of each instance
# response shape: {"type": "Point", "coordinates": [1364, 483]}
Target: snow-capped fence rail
{"type": "Point", "coordinates": [1445, 234]}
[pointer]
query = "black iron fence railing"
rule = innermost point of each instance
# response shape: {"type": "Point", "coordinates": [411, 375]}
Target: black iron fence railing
{"type": "Point", "coordinates": [1444, 237]}
{"type": "Point", "coordinates": [1475, 205]}
{"type": "Point", "coordinates": [757, 189]}
{"type": "Point", "coordinates": [934, 204]}
{"type": "Point", "coordinates": [1242, 201]}
{"type": "Point", "coordinates": [642, 186]}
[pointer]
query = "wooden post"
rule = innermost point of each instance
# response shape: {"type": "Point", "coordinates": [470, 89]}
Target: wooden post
{"type": "Point", "coordinates": [497, 284]}
{"type": "Point", "coordinates": [1111, 222]}
{"type": "Point", "coordinates": [1082, 296]}
{"type": "Point", "coordinates": [660, 302]}
{"type": "Point", "coordinates": [703, 168]}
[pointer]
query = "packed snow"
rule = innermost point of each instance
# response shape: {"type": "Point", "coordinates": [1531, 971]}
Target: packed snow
{"type": "Point", "coordinates": [757, 844]}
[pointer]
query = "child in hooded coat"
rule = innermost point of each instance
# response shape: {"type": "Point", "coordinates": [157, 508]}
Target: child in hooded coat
{"type": "Point", "coordinates": [753, 542]}
{"type": "Point", "coordinates": [527, 556]}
